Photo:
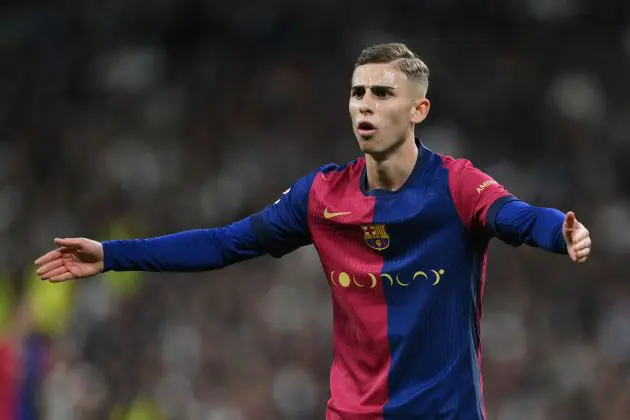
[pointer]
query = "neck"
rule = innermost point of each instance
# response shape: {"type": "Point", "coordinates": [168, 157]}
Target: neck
{"type": "Point", "coordinates": [391, 172]}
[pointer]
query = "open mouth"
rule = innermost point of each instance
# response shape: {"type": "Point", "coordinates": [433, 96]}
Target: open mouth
{"type": "Point", "coordinates": [366, 128]}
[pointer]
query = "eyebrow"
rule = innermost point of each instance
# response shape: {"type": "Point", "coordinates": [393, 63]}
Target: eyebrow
{"type": "Point", "coordinates": [373, 87]}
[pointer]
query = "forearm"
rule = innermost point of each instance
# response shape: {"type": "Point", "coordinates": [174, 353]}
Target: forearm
{"type": "Point", "coordinates": [188, 251]}
{"type": "Point", "coordinates": [518, 223]}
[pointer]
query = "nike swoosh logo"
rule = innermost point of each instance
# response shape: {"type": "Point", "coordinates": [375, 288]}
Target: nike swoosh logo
{"type": "Point", "coordinates": [329, 215]}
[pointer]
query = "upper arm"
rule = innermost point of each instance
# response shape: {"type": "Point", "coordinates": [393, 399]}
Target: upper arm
{"type": "Point", "coordinates": [282, 227]}
{"type": "Point", "coordinates": [476, 194]}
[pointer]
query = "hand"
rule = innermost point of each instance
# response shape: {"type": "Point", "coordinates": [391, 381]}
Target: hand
{"type": "Point", "coordinates": [577, 237]}
{"type": "Point", "coordinates": [76, 258]}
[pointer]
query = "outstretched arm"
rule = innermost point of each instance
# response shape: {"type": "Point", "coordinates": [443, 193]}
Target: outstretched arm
{"type": "Point", "coordinates": [187, 251]}
{"type": "Point", "coordinates": [277, 230]}
{"type": "Point", "coordinates": [485, 205]}
{"type": "Point", "coordinates": [192, 250]}
{"type": "Point", "coordinates": [516, 222]}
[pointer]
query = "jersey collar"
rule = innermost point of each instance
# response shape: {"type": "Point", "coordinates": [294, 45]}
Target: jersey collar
{"type": "Point", "coordinates": [416, 174]}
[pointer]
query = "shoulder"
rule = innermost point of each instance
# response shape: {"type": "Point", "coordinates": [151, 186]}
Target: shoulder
{"type": "Point", "coordinates": [455, 165]}
{"type": "Point", "coordinates": [326, 177]}
{"type": "Point", "coordinates": [462, 170]}
{"type": "Point", "coordinates": [469, 186]}
{"type": "Point", "coordinates": [334, 173]}
{"type": "Point", "coordinates": [334, 181]}
{"type": "Point", "coordinates": [348, 168]}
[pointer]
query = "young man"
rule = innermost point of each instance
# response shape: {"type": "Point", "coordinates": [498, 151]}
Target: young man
{"type": "Point", "coordinates": [402, 233]}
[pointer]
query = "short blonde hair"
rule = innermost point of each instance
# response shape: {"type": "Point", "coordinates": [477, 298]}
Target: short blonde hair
{"type": "Point", "coordinates": [398, 53]}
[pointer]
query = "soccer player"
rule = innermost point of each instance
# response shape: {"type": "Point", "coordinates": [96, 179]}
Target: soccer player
{"type": "Point", "coordinates": [402, 233]}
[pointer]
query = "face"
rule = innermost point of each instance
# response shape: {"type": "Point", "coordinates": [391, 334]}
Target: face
{"type": "Point", "coordinates": [384, 107]}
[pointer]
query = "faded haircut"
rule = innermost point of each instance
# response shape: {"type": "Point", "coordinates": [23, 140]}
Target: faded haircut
{"type": "Point", "coordinates": [403, 58]}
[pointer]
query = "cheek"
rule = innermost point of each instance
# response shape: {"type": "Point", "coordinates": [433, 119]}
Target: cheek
{"type": "Point", "coordinates": [353, 107]}
{"type": "Point", "coordinates": [395, 117]}
{"type": "Point", "coordinates": [401, 115]}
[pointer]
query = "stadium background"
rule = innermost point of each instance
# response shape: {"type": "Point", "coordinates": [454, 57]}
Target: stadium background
{"type": "Point", "coordinates": [123, 119]}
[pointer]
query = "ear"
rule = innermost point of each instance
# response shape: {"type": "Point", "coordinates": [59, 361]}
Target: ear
{"type": "Point", "coordinates": [420, 110]}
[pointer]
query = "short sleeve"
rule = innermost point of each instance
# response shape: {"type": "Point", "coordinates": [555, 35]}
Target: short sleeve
{"type": "Point", "coordinates": [474, 193]}
{"type": "Point", "coordinates": [282, 227]}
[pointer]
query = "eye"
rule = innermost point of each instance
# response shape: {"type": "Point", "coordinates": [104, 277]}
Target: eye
{"type": "Point", "coordinates": [357, 92]}
{"type": "Point", "coordinates": [381, 91]}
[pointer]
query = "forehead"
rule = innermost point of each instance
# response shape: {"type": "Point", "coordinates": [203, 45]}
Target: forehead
{"type": "Point", "coordinates": [381, 74]}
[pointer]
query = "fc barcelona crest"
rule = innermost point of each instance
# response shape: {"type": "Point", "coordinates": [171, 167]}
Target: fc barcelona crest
{"type": "Point", "coordinates": [376, 236]}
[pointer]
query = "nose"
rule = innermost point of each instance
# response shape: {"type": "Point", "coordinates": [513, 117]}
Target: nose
{"type": "Point", "coordinates": [366, 105]}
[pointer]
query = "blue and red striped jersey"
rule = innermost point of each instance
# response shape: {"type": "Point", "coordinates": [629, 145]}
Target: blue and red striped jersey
{"type": "Point", "coordinates": [406, 270]}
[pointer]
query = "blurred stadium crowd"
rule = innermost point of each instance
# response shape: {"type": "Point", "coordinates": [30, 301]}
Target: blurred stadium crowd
{"type": "Point", "coordinates": [125, 119]}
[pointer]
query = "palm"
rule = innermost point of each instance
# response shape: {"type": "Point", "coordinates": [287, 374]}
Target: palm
{"type": "Point", "coordinates": [77, 258]}
{"type": "Point", "coordinates": [79, 264]}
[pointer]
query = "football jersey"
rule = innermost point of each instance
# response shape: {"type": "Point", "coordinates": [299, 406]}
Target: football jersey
{"type": "Point", "coordinates": [406, 270]}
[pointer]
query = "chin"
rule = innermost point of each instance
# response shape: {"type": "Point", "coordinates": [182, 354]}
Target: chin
{"type": "Point", "coordinates": [372, 147]}
{"type": "Point", "coordinates": [367, 144]}
{"type": "Point", "coordinates": [376, 147]}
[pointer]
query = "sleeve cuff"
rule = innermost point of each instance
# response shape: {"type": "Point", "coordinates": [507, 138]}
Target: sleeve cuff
{"type": "Point", "coordinates": [561, 244]}
{"type": "Point", "coordinates": [109, 255]}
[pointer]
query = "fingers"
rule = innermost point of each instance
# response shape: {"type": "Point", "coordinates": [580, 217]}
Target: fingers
{"type": "Point", "coordinates": [583, 253]}
{"type": "Point", "coordinates": [580, 234]}
{"type": "Point", "coordinates": [48, 257]}
{"type": "Point", "coordinates": [57, 254]}
{"type": "Point", "coordinates": [53, 255]}
{"type": "Point", "coordinates": [62, 277]}
{"type": "Point", "coordinates": [53, 265]}
{"type": "Point", "coordinates": [70, 242]}
{"type": "Point", "coordinates": [581, 238]}
{"type": "Point", "coordinates": [49, 266]}
{"type": "Point", "coordinates": [581, 256]}
{"type": "Point", "coordinates": [582, 244]}
{"type": "Point", "coordinates": [582, 248]}
{"type": "Point", "coordinates": [54, 273]}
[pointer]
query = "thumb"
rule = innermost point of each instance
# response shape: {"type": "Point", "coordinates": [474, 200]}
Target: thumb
{"type": "Point", "coordinates": [569, 220]}
{"type": "Point", "coordinates": [567, 229]}
{"type": "Point", "coordinates": [70, 242]}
